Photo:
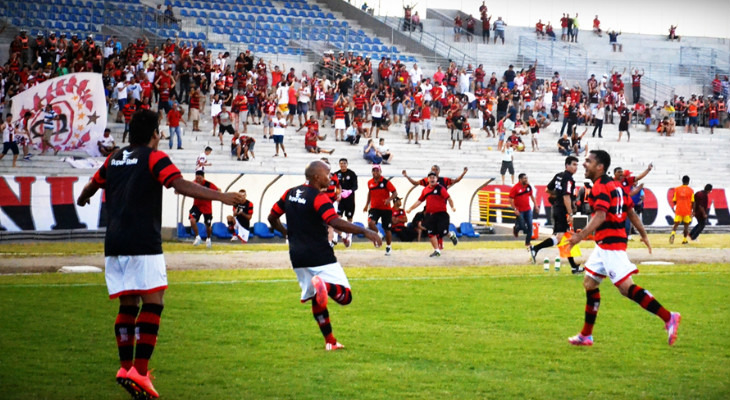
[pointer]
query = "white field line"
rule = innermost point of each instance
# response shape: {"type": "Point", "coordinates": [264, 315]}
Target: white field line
{"type": "Point", "coordinates": [384, 278]}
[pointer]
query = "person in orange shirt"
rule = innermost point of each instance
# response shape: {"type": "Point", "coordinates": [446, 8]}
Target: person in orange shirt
{"type": "Point", "coordinates": [684, 198]}
{"type": "Point", "coordinates": [692, 114]}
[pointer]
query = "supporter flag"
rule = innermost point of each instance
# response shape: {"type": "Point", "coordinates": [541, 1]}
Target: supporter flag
{"type": "Point", "coordinates": [80, 102]}
{"type": "Point", "coordinates": [565, 250]}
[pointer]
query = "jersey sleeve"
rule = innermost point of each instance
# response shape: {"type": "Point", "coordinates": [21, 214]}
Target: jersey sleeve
{"type": "Point", "coordinates": [213, 186]}
{"type": "Point", "coordinates": [279, 208]}
{"type": "Point", "coordinates": [163, 169]}
{"type": "Point", "coordinates": [424, 193]}
{"type": "Point", "coordinates": [100, 175]}
{"type": "Point", "coordinates": [390, 187]}
{"type": "Point", "coordinates": [601, 197]}
{"type": "Point", "coordinates": [448, 182]}
{"type": "Point", "coordinates": [250, 208]}
{"type": "Point", "coordinates": [445, 193]}
{"type": "Point", "coordinates": [423, 182]}
{"type": "Point", "coordinates": [324, 208]}
{"type": "Point", "coordinates": [513, 192]}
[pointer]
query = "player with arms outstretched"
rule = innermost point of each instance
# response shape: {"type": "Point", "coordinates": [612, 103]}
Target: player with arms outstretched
{"type": "Point", "coordinates": [308, 214]}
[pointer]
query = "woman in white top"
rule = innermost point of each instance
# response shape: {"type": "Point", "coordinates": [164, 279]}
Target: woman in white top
{"type": "Point", "coordinates": [598, 116]}
{"type": "Point", "coordinates": [278, 123]}
{"type": "Point", "coordinates": [216, 105]}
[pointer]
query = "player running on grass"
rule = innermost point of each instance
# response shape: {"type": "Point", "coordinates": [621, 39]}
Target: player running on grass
{"type": "Point", "coordinates": [134, 265]}
{"type": "Point", "coordinates": [308, 213]}
{"type": "Point", "coordinates": [611, 207]}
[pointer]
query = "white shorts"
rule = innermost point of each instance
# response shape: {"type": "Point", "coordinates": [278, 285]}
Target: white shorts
{"type": "Point", "coordinates": [340, 124]}
{"type": "Point", "coordinates": [509, 125]}
{"type": "Point", "coordinates": [135, 275]}
{"type": "Point", "coordinates": [614, 264]}
{"type": "Point", "coordinates": [426, 124]}
{"type": "Point", "coordinates": [330, 273]}
{"type": "Point", "coordinates": [195, 114]}
{"type": "Point", "coordinates": [457, 134]}
{"type": "Point", "coordinates": [242, 115]}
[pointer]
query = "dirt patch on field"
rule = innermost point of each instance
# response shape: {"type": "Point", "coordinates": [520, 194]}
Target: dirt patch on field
{"type": "Point", "coordinates": [359, 258]}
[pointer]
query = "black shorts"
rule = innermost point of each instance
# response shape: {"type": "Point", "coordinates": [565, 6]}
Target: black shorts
{"type": "Point", "coordinates": [385, 217]}
{"type": "Point", "coordinates": [507, 165]}
{"type": "Point", "coordinates": [560, 221]}
{"type": "Point", "coordinates": [195, 213]}
{"type": "Point", "coordinates": [164, 105]}
{"type": "Point", "coordinates": [226, 128]}
{"type": "Point", "coordinates": [437, 224]}
{"type": "Point", "coordinates": [377, 122]}
{"type": "Point", "coordinates": [346, 207]}
{"type": "Point", "coordinates": [329, 112]}
{"type": "Point", "coordinates": [10, 146]}
{"type": "Point", "coordinates": [293, 109]}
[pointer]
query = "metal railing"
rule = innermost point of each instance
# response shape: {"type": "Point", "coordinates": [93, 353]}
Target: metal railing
{"type": "Point", "coordinates": [439, 47]}
{"type": "Point", "coordinates": [567, 58]}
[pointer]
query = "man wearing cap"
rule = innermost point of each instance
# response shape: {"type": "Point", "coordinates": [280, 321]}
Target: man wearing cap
{"type": "Point", "coordinates": [436, 218]}
{"type": "Point", "coordinates": [380, 193]}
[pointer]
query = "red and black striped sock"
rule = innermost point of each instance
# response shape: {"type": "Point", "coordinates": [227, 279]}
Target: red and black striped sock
{"type": "Point", "coordinates": [340, 294]}
{"type": "Point", "coordinates": [322, 316]}
{"type": "Point", "coordinates": [148, 323]}
{"type": "Point", "coordinates": [593, 300]}
{"type": "Point", "coordinates": [648, 302]}
{"type": "Point", "coordinates": [124, 330]}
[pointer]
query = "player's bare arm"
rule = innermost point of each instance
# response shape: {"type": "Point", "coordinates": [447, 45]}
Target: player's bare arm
{"type": "Point", "coordinates": [598, 218]}
{"type": "Point", "coordinates": [192, 189]}
{"type": "Point", "coordinates": [367, 203]}
{"type": "Point", "coordinates": [636, 221]}
{"type": "Point", "coordinates": [460, 177]}
{"type": "Point", "coordinates": [275, 222]}
{"type": "Point", "coordinates": [568, 208]}
{"type": "Point", "coordinates": [344, 226]}
{"type": "Point", "coordinates": [413, 182]}
{"type": "Point", "coordinates": [87, 193]}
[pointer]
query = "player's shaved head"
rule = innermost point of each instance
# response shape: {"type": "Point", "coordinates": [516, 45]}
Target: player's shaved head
{"type": "Point", "coordinates": [315, 168]}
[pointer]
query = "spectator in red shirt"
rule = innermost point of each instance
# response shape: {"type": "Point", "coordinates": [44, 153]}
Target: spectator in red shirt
{"type": "Point", "coordinates": [310, 141]}
{"type": "Point", "coordinates": [519, 199]}
{"type": "Point", "coordinates": [174, 117]}
{"type": "Point", "coordinates": [436, 219]}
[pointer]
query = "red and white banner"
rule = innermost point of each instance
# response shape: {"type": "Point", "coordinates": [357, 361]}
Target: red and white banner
{"type": "Point", "coordinates": [78, 99]}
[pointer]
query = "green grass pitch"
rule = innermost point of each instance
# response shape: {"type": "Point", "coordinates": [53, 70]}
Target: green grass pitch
{"type": "Point", "coordinates": [410, 333]}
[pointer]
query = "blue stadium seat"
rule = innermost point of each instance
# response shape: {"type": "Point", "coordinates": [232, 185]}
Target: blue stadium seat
{"type": "Point", "coordinates": [202, 232]}
{"type": "Point", "coordinates": [203, 14]}
{"type": "Point", "coordinates": [184, 13]}
{"type": "Point", "coordinates": [360, 235]}
{"type": "Point", "coordinates": [244, 9]}
{"type": "Point", "coordinates": [467, 229]}
{"type": "Point", "coordinates": [330, 16]}
{"type": "Point", "coordinates": [270, 19]}
{"type": "Point", "coordinates": [220, 230]}
{"type": "Point", "coordinates": [201, 36]}
{"type": "Point", "coordinates": [380, 229]}
{"type": "Point", "coordinates": [261, 230]}
{"type": "Point", "coordinates": [260, 49]}
{"type": "Point", "coordinates": [182, 231]}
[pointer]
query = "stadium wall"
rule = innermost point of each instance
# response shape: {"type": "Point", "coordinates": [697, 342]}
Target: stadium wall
{"type": "Point", "coordinates": [48, 203]}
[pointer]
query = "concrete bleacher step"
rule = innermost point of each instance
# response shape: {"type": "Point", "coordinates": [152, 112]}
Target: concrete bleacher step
{"type": "Point", "coordinates": [697, 155]}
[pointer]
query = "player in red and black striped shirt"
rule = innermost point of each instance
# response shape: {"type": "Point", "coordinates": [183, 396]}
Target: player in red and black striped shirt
{"type": "Point", "coordinates": [134, 265]}
{"type": "Point", "coordinates": [308, 214]}
{"type": "Point", "coordinates": [611, 207]}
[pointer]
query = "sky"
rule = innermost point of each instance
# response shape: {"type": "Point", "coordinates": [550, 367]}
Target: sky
{"type": "Point", "coordinates": [707, 18]}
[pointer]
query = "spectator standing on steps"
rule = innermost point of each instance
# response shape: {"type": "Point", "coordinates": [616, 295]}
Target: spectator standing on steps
{"type": "Point", "coordinates": [636, 84]}
{"type": "Point", "coordinates": [499, 26]}
{"type": "Point", "coordinates": [613, 41]}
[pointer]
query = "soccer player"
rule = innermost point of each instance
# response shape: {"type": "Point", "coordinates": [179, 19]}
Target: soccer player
{"type": "Point", "coordinates": [241, 219]}
{"type": "Point", "coordinates": [380, 193]}
{"type": "Point", "coordinates": [308, 213]}
{"type": "Point", "coordinates": [204, 208]}
{"type": "Point", "coordinates": [611, 206]}
{"type": "Point", "coordinates": [701, 211]}
{"type": "Point", "coordinates": [561, 190]}
{"type": "Point", "coordinates": [436, 219]}
{"type": "Point", "coordinates": [134, 264]}
{"type": "Point", "coordinates": [683, 201]}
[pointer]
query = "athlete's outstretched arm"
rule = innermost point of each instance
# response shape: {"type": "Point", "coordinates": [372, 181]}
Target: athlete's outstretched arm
{"type": "Point", "coordinates": [344, 226]}
{"type": "Point", "coordinates": [192, 189]}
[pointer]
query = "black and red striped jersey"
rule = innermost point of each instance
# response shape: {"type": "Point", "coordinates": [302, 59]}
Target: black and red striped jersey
{"type": "Point", "coordinates": [607, 195]}
{"type": "Point", "coordinates": [308, 211]}
{"type": "Point", "coordinates": [133, 178]}
{"type": "Point", "coordinates": [331, 190]}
